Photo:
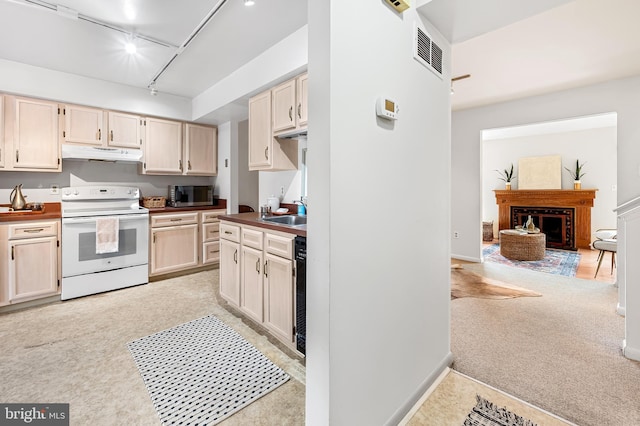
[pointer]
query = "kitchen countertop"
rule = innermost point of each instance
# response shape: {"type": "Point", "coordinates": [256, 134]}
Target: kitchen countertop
{"type": "Point", "coordinates": [222, 204]}
{"type": "Point", "coordinates": [51, 211]}
{"type": "Point", "coordinates": [253, 219]}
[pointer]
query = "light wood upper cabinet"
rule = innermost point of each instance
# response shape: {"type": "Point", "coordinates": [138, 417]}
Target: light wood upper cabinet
{"type": "Point", "coordinates": [124, 130]}
{"type": "Point", "coordinates": [289, 101]}
{"type": "Point", "coordinates": [162, 147]}
{"type": "Point", "coordinates": [260, 134]}
{"type": "Point", "coordinates": [83, 125]}
{"type": "Point", "coordinates": [284, 106]}
{"type": "Point", "coordinates": [265, 151]}
{"type": "Point", "coordinates": [97, 127]}
{"type": "Point", "coordinates": [35, 144]}
{"type": "Point", "coordinates": [3, 149]}
{"type": "Point", "coordinates": [302, 94]}
{"type": "Point", "coordinates": [200, 150]}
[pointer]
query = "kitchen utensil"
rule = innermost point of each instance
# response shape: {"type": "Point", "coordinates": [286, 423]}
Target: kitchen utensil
{"type": "Point", "coordinates": [17, 199]}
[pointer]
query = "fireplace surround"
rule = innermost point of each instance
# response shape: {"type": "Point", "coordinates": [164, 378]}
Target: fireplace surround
{"type": "Point", "coordinates": [553, 209]}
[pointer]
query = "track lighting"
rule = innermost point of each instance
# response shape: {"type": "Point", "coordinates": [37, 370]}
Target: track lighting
{"type": "Point", "coordinates": [153, 90]}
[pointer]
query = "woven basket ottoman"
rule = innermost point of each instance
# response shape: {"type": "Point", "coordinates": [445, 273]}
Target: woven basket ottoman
{"type": "Point", "coordinates": [517, 245]}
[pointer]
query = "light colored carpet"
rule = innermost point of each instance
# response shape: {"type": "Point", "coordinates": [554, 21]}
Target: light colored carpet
{"type": "Point", "coordinates": [469, 284]}
{"type": "Point", "coordinates": [75, 351]}
{"type": "Point", "coordinates": [561, 352]}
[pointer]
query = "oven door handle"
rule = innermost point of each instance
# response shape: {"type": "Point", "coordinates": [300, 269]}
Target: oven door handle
{"type": "Point", "coordinates": [79, 220]}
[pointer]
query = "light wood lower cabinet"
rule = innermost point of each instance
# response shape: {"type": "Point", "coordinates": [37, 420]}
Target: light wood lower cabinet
{"type": "Point", "coordinates": [183, 241]}
{"type": "Point", "coordinates": [230, 271]}
{"type": "Point", "coordinates": [174, 242]}
{"type": "Point", "coordinates": [251, 282]}
{"type": "Point", "coordinates": [265, 289]}
{"type": "Point", "coordinates": [29, 253]}
{"type": "Point", "coordinates": [278, 296]}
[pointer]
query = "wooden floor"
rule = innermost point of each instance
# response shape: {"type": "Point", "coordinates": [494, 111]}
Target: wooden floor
{"type": "Point", "coordinates": [586, 267]}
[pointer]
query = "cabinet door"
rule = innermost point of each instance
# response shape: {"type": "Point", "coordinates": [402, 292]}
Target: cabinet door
{"type": "Point", "coordinates": [278, 296]}
{"type": "Point", "coordinates": [162, 147]}
{"type": "Point", "coordinates": [230, 271]}
{"type": "Point", "coordinates": [36, 143]}
{"type": "Point", "coordinates": [251, 299]}
{"type": "Point", "coordinates": [33, 270]}
{"type": "Point", "coordinates": [3, 150]}
{"type": "Point", "coordinates": [284, 105]}
{"type": "Point", "coordinates": [124, 130]}
{"type": "Point", "coordinates": [173, 248]}
{"type": "Point", "coordinates": [260, 135]}
{"type": "Point", "coordinates": [83, 125]}
{"type": "Point", "coordinates": [303, 96]}
{"type": "Point", "coordinates": [201, 150]}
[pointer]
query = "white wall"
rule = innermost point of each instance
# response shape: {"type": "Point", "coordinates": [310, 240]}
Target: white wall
{"type": "Point", "coordinates": [82, 173]}
{"type": "Point", "coordinates": [378, 288]}
{"type": "Point", "coordinates": [287, 185]}
{"type": "Point", "coordinates": [247, 181]}
{"type": "Point", "coordinates": [594, 147]}
{"type": "Point", "coordinates": [618, 96]}
{"type": "Point", "coordinates": [27, 80]}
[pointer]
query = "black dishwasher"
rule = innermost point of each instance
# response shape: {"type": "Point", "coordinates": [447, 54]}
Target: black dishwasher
{"type": "Point", "coordinates": [301, 293]}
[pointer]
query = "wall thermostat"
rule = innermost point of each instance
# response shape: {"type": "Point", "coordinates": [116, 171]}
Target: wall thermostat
{"type": "Point", "coordinates": [387, 108]}
{"type": "Point", "coordinates": [400, 5]}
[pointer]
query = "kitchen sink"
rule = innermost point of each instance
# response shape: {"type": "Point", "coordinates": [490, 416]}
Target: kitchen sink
{"type": "Point", "coordinates": [290, 220]}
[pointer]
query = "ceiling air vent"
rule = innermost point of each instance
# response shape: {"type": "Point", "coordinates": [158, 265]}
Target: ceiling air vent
{"type": "Point", "coordinates": [427, 52]}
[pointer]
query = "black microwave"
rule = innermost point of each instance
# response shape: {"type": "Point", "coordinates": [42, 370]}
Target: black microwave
{"type": "Point", "coordinates": [190, 195]}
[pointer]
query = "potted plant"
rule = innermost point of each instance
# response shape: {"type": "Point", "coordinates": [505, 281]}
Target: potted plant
{"type": "Point", "coordinates": [576, 174]}
{"type": "Point", "coordinates": [507, 176]}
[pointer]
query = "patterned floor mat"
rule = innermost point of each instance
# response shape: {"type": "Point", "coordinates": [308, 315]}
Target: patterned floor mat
{"type": "Point", "coordinates": [201, 372]}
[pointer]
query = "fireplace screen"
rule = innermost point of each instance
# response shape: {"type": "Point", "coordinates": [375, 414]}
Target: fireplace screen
{"type": "Point", "coordinates": [558, 224]}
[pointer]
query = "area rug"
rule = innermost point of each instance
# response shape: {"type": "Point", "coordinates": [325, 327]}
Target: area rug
{"type": "Point", "coordinates": [559, 262]}
{"type": "Point", "coordinates": [469, 284]}
{"type": "Point", "coordinates": [202, 372]}
{"type": "Point", "coordinates": [486, 413]}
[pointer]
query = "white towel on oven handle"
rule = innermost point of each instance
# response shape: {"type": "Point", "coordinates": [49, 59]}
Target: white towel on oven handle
{"type": "Point", "coordinates": [107, 230]}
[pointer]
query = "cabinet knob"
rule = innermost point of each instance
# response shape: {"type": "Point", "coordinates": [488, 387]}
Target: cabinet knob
{"type": "Point", "coordinates": [266, 153]}
{"type": "Point", "coordinates": [299, 111]}
{"type": "Point", "coordinates": [111, 136]}
{"type": "Point", "coordinates": [235, 256]}
{"type": "Point", "coordinates": [291, 113]}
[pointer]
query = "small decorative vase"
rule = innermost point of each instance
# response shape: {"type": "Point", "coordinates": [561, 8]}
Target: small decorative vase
{"type": "Point", "coordinates": [507, 186]}
{"type": "Point", "coordinates": [529, 226]}
{"type": "Point", "coordinates": [576, 184]}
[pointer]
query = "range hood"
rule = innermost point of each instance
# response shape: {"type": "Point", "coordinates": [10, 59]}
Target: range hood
{"type": "Point", "coordinates": [293, 134]}
{"type": "Point", "coordinates": [98, 153]}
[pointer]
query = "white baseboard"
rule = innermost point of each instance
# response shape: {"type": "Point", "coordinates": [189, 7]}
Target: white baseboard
{"type": "Point", "coordinates": [436, 376]}
{"type": "Point", "coordinates": [621, 310]}
{"type": "Point", "coordinates": [467, 258]}
{"type": "Point", "coordinates": [631, 353]}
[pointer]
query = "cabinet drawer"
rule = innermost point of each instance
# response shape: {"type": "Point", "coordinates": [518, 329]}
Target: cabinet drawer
{"type": "Point", "coordinates": [32, 230]}
{"type": "Point", "coordinates": [211, 252]}
{"type": "Point", "coordinates": [158, 220]}
{"type": "Point", "coordinates": [230, 232]}
{"type": "Point", "coordinates": [210, 231]}
{"type": "Point", "coordinates": [279, 245]}
{"type": "Point", "coordinates": [252, 238]}
{"type": "Point", "coordinates": [212, 215]}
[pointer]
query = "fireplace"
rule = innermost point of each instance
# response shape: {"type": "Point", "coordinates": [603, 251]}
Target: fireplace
{"type": "Point", "coordinates": [547, 207]}
{"type": "Point", "coordinates": [556, 223]}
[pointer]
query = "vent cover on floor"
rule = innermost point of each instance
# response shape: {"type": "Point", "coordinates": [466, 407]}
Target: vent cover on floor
{"type": "Point", "coordinates": [427, 52]}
